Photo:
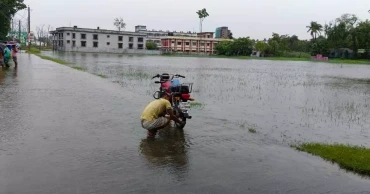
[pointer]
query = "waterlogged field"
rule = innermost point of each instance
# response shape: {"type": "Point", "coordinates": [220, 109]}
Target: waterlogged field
{"type": "Point", "coordinates": [286, 101]}
{"type": "Point", "coordinates": [246, 114]}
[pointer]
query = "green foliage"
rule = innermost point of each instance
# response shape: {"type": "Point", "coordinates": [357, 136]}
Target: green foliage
{"type": "Point", "coordinates": [320, 46]}
{"type": "Point", "coordinates": [352, 158]}
{"type": "Point", "coordinates": [238, 47]}
{"type": "Point", "coordinates": [151, 46]}
{"type": "Point", "coordinates": [314, 28]}
{"type": "Point", "coordinates": [262, 46]}
{"type": "Point", "coordinates": [202, 14]}
{"type": "Point", "coordinates": [7, 10]}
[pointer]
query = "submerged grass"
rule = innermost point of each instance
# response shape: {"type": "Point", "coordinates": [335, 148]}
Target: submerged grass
{"type": "Point", "coordinates": [37, 52]}
{"type": "Point", "coordinates": [79, 68]}
{"type": "Point", "coordinates": [303, 58]}
{"type": "Point", "coordinates": [196, 104]}
{"type": "Point", "coordinates": [353, 158]}
{"type": "Point", "coordinates": [137, 75]}
{"type": "Point", "coordinates": [102, 75]}
{"type": "Point", "coordinates": [252, 130]}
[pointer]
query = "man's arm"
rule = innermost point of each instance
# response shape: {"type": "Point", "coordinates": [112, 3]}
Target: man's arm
{"type": "Point", "coordinates": [174, 117]}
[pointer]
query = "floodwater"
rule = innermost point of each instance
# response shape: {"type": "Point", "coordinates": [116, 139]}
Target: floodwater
{"type": "Point", "coordinates": [286, 101]}
{"type": "Point", "coordinates": [82, 132]}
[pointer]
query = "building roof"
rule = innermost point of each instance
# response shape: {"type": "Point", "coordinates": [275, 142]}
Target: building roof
{"type": "Point", "coordinates": [205, 32]}
{"type": "Point", "coordinates": [195, 38]}
{"type": "Point", "coordinates": [100, 31]}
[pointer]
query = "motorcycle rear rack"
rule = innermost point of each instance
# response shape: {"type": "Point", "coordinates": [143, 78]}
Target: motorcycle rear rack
{"type": "Point", "coordinates": [188, 85]}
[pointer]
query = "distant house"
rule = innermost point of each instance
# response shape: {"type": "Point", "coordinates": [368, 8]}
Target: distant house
{"type": "Point", "coordinates": [341, 53]}
{"type": "Point", "coordinates": [74, 39]}
{"type": "Point", "coordinates": [204, 43]}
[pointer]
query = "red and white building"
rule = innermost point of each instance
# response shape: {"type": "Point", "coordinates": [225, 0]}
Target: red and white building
{"type": "Point", "coordinates": [203, 43]}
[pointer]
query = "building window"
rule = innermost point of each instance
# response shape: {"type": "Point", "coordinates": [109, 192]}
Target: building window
{"type": "Point", "coordinates": [120, 45]}
{"type": "Point", "coordinates": [131, 39]}
{"type": "Point", "coordinates": [207, 44]}
{"type": "Point", "coordinates": [83, 36]}
{"type": "Point", "coordinates": [140, 46]}
{"type": "Point", "coordinates": [178, 43]}
{"type": "Point", "coordinates": [68, 34]}
{"type": "Point", "coordinates": [68, 41]}
{"type": "Point", "coordinates": [187, 43]}
{"type": "Point", "coordinates": [201, 44]}
{"type": "Point", "coordinates": [208, 36]}
{"type": "Point", "coordinates": [95, 44]}
{"type": "Point", "coordinates": [73, 43]}
{"type": "Point", "coordinates": [108, 36]}
{"type": "Point", "coordinates": [95, 36]}
{"type": "Point", "coordinates": [120, 38]}
{"type": "Point", "coordinates": [194, 43]}
{"type": "Point", "coordinates": [131, 46]}
{"type": "Point", "coordinates": [73, 35]}
{"type": "Point", "coordinates": [83, 43]}
{"type": "Point", "coordinates": [140, 39]}
{"type": "Point", "coordinates": [108, 43]}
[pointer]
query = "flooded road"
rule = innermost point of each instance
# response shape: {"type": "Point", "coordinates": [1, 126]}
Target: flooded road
{"type": "Point", "coordinates": [67, 131]}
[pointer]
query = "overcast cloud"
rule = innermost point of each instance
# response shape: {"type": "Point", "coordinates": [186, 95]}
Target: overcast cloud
{"type": "Point", "coordinates": [257, 18]}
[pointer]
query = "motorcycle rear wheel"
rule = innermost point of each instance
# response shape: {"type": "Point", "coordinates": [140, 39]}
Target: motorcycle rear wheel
{"type": "Point", "coordinates": [181, 126]}
{"type": "Point", "coordinates": [181, 118]}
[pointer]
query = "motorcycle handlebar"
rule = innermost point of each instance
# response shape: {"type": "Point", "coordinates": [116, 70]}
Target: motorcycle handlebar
{"type": "Point", "coordinates": [155, 76]}
{"type": "Point", "coordinates": [177, 75]}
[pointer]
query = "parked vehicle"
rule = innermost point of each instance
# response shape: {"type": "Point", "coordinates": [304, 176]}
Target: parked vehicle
{"type": "Point", "coordinates": [179, 94]}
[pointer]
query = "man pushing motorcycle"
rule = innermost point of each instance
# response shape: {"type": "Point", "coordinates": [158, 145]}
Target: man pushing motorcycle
{"type": "Point", "coordinates": [154, 116]}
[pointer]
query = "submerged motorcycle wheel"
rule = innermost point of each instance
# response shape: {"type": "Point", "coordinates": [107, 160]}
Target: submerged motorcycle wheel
{"type": "Point", "coordinates": [181, 117]}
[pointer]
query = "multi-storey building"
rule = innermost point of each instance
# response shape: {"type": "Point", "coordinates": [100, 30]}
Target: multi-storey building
{"type": "Point", "coordinates": [155, 35]}
{"type": "Point", "coordinates": [204, 43]}
{"type": "Point", "coordinates": [222, 32]}
{"type": "Point", "coordinates": [97, 40]}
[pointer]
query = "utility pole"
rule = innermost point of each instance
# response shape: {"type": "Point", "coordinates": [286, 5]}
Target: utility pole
{"type": "Point", "coordinates": [19, 32]}
{"type": "Point", "coordinates": [29, 28]}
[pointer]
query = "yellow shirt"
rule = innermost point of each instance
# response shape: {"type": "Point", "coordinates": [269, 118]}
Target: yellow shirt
{"type": "Point", "coordinates": [155, 108]}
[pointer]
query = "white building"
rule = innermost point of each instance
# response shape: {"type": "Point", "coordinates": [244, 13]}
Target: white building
{"type": "Point", "coordinates": [74, 39]}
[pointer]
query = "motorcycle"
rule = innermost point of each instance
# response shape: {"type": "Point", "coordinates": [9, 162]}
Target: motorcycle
{"type": "Point", "coordinates": [179, 94]}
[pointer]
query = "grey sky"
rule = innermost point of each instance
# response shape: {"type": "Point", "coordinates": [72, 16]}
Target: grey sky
{"type": "Point", "coordinates": [254, 18]}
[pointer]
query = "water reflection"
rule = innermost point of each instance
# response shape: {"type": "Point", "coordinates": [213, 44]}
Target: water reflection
{"type": "Point", "coordinates": [167, 150]}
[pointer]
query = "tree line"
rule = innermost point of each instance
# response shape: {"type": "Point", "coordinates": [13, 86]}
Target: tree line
{"type": "Point", "coordinates": [8, 8]}
{"type": "Point", "coordinates": [344, 37]}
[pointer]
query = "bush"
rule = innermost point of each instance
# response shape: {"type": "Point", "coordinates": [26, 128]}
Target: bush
{"type": "Point", "coordinates": [294, 54]}
{"type": "Point", "coordinates": [151, 46]}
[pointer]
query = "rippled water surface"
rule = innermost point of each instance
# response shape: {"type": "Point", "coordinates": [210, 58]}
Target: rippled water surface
{"type": "Point", "coordinates": [66, 131]}
{"type": "Point", "coordinates": [287, 101]}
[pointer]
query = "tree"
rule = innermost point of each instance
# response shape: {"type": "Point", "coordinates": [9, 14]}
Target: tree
{"type": "Point", "coordinates": [202, 14]}
{"type": "Point", "coordinates": [261, 46]}
{"type": "Point", "coordinates": [238, 47]}
{"type": "Point", "coordinates": [118, 22]}
{"type": "Point", "coordinates": [7, 10]}
{"type": "Point", "coordinates": [320, 46]}
{"type": "Point", "coordinates": [151, 46]}
{"type": "Point", "coordinates": [231, 35]}
{"type": "Point", "coordinates": [314, 28]}
{"type": "Point", "coordinates": [40, 32]}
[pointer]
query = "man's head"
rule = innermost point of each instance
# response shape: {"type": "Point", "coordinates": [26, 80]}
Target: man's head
{"type": "Point", "coordinates": [166, 95]}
